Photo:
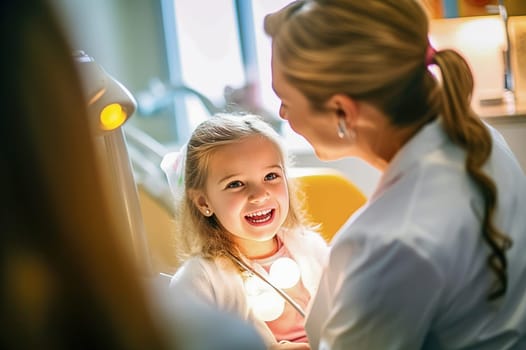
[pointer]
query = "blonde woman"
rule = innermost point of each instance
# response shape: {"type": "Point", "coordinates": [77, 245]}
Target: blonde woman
{"type": "Point", "coordinates": [435, 260]}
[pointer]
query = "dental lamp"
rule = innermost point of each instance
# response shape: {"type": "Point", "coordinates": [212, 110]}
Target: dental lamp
{"type": "Point", "coordinates": [109, 106]}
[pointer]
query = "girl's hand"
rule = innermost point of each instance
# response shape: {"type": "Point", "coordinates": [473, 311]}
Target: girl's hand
{"type": "Point", "coordinates": [290, 346]}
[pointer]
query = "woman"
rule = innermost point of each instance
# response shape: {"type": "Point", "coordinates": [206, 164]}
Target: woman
{"type": "Point", "coordinates": [429, 261]}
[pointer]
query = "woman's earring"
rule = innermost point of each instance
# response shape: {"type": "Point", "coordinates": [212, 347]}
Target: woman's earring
{"type": "Point", "coordinates": [342, 130]}
{"type": "Point", "coordinates": [208, 212]}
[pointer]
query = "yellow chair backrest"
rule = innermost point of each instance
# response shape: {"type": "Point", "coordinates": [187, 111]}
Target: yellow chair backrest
{"type": "Point", "coordinates": [330, 197]}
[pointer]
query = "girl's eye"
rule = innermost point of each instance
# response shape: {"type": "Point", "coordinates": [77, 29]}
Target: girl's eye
{"type": "Point", "coordinates": [271, 176]}
{"type": "Point", "coordinates": [234, 184]}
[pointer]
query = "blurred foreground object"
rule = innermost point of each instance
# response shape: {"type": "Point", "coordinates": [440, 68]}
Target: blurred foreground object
{"type": "Point", "coordinates": [66, 281]}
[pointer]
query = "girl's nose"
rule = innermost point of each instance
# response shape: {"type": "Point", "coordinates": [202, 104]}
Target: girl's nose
{"type": "Point", "coordinates": [258, 194]}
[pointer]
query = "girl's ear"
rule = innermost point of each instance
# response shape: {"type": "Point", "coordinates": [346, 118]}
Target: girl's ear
{"type": "Point", "coordinates": [200, 200]}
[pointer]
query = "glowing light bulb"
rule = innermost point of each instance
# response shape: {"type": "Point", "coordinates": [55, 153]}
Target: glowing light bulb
{"type": "Point", "coordinates": [267, 306]}
{"type": "Point", "coordinates": [112, 116]}
{"type": "Point", "coordinates": [284, 273]}
{"type": "Point", "coordinates": [265, 302]}
{"type": "Point", "coordinates": [255, 286]}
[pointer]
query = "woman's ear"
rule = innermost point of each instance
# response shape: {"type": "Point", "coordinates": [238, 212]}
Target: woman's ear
{"type": "Point", "coordinates": [200, 200]}
{"type": "Point", "coordinates": [345, 107]}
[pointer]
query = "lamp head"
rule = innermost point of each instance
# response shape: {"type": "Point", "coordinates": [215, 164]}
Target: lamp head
{"type": "Point", "coordinates": [110, 104]}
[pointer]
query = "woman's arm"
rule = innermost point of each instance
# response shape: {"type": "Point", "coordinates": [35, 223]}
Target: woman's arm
{"type": "Point", "coordinates": [378, 295]}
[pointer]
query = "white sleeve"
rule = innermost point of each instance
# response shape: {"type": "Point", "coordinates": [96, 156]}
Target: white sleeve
{"type": "Point", "coordinates": [192, 279]}
{"type": "Point", "coordinates": [382, 295]}
{"type": "Point", "coordinates": [199, 326]}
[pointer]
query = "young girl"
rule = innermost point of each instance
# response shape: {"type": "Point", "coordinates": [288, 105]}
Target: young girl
{"type": "Point", "coordinates": [238, 224]}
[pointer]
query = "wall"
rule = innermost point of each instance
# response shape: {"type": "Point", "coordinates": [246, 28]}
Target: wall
{"type": "Point", "coordinates": [126, 38]}
{"type": "Point", "coordinates": [465, 8]}
{"type": "Point", "coordinates": [482, 41]}
{"type": "Point", "coordinates": [514, 131]}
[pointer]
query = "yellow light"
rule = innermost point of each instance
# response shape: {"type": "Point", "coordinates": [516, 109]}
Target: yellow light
{"type": "Point", "coordinates": [112, 116]}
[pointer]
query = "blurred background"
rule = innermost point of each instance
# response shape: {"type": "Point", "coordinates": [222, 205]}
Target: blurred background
{"type": "Point", "coordinates": [184, 60]}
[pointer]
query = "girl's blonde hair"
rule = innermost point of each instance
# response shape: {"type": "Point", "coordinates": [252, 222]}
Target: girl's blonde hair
{"type": "Point", "coordinates": [195, 233]}
{"type": "Point", "coordinates": [375, 51]}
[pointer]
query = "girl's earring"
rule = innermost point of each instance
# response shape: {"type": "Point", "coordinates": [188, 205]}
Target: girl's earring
{"type": "Point", "coordinates": [208, 212]}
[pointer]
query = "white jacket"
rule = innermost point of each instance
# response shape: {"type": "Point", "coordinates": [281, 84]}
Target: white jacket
{"type": "Point", "coordinates": [409, 270]}
{"type": "Point", "coordinates": [220, 283]}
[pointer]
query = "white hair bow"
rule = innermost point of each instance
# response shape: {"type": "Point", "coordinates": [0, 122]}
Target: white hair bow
{"type": "Point", "coordinates": [173, 165]}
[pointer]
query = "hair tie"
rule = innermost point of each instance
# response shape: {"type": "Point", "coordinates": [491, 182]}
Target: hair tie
{"type": "Point", "coordinates": [430, 54]}
{"type": "Point", "coordinates": [173, 165]}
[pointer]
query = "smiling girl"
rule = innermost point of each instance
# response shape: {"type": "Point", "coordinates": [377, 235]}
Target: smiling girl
{"type": "Point", "coordinates": [238, 227]}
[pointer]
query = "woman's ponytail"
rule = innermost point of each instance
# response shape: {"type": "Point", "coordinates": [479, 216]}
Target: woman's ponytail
{"type": "Point", "coordinates": [469, 132]}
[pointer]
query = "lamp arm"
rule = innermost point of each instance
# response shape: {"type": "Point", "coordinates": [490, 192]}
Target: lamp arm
{"type": "Point", "coordinates": [160, 95]}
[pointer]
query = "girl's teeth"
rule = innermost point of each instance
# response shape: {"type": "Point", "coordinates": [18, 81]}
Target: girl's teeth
{"type": "Point", "coordinates": [259, 213]}
{"type": "Point", "coordinates": [260, 216]}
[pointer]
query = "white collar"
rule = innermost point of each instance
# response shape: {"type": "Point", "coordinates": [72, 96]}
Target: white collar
{"type": "Point", "coordinates": [430, 137]}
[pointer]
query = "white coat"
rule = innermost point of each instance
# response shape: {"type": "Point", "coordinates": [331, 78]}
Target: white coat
{"type": "Point", "coordinates": [409, 270]}
{"type": "Point", "coordinates": [219, 283]}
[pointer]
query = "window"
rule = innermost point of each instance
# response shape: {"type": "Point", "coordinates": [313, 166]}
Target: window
{"type": "Point", "coordinates": [213, 46]}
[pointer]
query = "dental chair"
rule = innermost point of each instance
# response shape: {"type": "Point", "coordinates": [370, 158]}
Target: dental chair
{"type": "Point", "coordinates": [329, 197]}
